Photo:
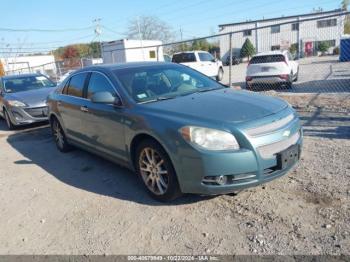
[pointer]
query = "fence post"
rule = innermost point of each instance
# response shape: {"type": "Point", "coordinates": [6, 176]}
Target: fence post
{"type": "Point", "coordinates": [157, 53]}
{"type": "Point", "coordinates": [59, 69]}
{"type": "Point", "coordinates": [230, 68]}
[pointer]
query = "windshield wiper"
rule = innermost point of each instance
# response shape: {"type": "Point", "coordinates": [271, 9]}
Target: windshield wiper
{"type": "Point", "coordinates": [160, 98]}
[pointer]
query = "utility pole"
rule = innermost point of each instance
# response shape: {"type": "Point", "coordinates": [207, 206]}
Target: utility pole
{"type": "Point", "coordinates": [182, 44]}
{"type": "Point", "coordinates": [98, 32]}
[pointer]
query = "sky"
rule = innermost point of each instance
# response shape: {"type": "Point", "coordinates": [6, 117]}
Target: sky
{"type": "Point", "coordinates": [71, 21]}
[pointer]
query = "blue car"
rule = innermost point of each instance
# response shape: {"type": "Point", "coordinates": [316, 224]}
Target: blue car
{"type": "Point", "coordinates": [179, 130]}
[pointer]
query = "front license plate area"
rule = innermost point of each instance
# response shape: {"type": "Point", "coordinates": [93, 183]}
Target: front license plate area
{"type": "Point", "coordinates": [288, 157]}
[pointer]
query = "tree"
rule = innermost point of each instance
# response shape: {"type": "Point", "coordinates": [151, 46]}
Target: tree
{"type": "Point", "coordinates": [294, 48]}
{"type": "Point", "coordinates": [2, 70]}
{"type": "Point", "coordinates": [70, 52]}
{"type": "Point", "coordinates": [150, 28]}
{"type": "Point", "coordinates": [247, 49]}
{"type": "Point", "coordinates": [345, 4]}
{"type": "Point", "coordinates": [323, 47]}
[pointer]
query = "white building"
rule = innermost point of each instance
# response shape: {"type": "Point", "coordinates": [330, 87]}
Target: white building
{"type": "Point", "coordinates": [126, 50]}
{"type": "Point", "coordinates": [281, 33]}
{"type": "Point", "coordinates": [44, 64]}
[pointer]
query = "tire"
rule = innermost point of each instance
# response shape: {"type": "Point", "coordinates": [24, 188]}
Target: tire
{"type": "Point", "coordinates": [9, 123]}
{"type": "Point", "coordinates": [59, 136]}
{"type": "Point", "coordinates": [296, 76]}
{"type": "Point", "coordinates": [156, 171]}
{"type": "Point", "coordinates": [220, 74]}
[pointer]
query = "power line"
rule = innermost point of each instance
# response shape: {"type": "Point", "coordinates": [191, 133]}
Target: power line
{"type": "Point", "coordinates": [48, 43]}
{"type": "Point", "coordinates": [44, 30]}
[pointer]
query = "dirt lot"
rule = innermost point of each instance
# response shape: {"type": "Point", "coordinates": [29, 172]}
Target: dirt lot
{"type": "Point", "coordinates": [76, 203]}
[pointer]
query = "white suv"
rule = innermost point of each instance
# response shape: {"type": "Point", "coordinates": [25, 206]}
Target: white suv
{"type": "Point", "coordinates": [275, 67]}
{"type": "Point", "coordinates": [201, 61]}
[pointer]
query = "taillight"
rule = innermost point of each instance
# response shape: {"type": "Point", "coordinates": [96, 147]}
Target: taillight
{"type": "Point", "coordinates": [285, 77]}
{"type": "Point", "coordinates": [248, 78]}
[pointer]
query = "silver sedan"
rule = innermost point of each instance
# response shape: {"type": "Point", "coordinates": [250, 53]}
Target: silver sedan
{"type": "Point", "coordinates": [23, 98]}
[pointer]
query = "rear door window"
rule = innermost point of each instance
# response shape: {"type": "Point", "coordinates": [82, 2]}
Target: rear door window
{"type": "Point", "coordinates": [76, 85]}
{"type": "Point", "coordinates": [267, 59]}
{"type": "Point", "coordinates": [184, 58]}
{"type": "Point", "coordinates": [205, 57]}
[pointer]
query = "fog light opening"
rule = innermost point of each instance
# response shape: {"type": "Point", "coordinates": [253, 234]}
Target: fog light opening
{"type": "Point", "coordinates": [215, 180]}
{"type": "Point", "coordinates": [221, 180]}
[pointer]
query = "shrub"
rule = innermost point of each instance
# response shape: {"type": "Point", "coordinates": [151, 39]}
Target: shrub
{"type": "Point", "coordinates": [323, 47]}
{"type": "Point", "coordinates": [336, 51]}
{"type": "Point", "coordinates": [247, 49]}
{"type": "Point", "coordinates": [2, 70]}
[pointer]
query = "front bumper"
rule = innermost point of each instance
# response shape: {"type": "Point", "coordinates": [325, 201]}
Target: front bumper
{"type": "Point", "coordinates": [245, 168]}
{"type": "Point", "coordinates": [27, 115]}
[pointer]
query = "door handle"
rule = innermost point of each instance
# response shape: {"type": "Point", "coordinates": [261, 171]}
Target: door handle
{"type": "Point", "coordinates": [84, 109]}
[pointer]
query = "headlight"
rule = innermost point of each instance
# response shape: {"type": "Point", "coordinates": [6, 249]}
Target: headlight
{"type": "Point", "coordinates": [16, 103]}
{"type": "Point", "coordinates": [209, 139]}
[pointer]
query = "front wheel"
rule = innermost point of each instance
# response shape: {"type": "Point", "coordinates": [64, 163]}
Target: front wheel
{"type": "Point", "coordinates": [220, 74]}
{"type": "Point", "coordinates": [157, 172]}
{"type": "Point", "coordinates": [9, 123]}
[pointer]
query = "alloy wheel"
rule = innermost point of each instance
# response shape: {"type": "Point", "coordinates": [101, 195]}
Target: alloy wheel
{"type": "Point", "coordinates": [58, 134]}
{"type": "Point", "coordinates": [153, 171]}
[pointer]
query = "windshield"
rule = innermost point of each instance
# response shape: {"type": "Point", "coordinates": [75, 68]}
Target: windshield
{"type": "Point", "coordinates": [27, 83]}
{"type": "Point", "coordinates": [145, 84]}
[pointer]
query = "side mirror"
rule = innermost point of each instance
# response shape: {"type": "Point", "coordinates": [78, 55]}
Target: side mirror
{"type": "Point", "coordinates": [106, 98]}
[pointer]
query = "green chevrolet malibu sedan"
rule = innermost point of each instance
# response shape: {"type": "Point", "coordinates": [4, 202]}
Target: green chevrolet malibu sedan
{"type": "Point", "coordinates": [179, 130]}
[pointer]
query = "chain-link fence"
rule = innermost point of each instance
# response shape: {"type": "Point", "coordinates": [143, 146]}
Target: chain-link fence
{"type": "Point", "coordinates": [304, 54]}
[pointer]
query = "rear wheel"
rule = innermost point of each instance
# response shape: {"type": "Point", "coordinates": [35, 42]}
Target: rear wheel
{"type": "Point", "coordinates": [289, 85]}
{"type": "Point", "coordinates": [156, 171]}
{"type": "Point", "coordinates": [9, 123]}
{"type": "Point", "coordinates": [59, 136]}
{"type": "Point", "coordinates": [296, 76]}
{"type": "Point", "coordinates": [220, 74]}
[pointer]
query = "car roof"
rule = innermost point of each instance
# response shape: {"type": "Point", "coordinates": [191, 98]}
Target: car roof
{"type": "Point", "coordinates": [277, 52]}
{"type": "Point", "coordinates": [193, 51]}
{"type": "Point", "coordinates": [19, 76]}
{"type": "Point", "coordinates": [129, 65]}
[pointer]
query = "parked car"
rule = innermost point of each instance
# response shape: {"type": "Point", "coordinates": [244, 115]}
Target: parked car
{"type": "Point", "coordinates": [23, 98]}
{"type": "Point", "coordinates": [272, 68]}
{"type": "Point", "coordinates": [235, 60]}
{"type": "Point", "coordinates": [182, 132]}
{"type": "Point", "coordinates": [201, 61]}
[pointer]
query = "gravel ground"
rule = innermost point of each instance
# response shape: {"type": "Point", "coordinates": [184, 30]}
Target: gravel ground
{"type": "Point", "coordinates": [76, 203]}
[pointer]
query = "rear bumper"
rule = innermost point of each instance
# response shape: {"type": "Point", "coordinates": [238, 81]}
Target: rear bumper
{"type": "Point", "coordinates": [268, 80]}
{"type": "Point", "coordinates": [24, 116]}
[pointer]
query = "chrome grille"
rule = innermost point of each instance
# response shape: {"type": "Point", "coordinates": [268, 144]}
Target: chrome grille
{"type": "Point", "coordinates": [270, 150]}
{"type": "Point", "coordinates": [37, 111]}
{"type": "Point", "coordinates": [269, 128]}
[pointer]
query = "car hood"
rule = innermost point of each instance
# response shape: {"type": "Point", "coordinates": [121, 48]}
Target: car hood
{"type": "Point", "coordinates": [32, 98]}
{"type": "Point", "coordinates": [224, 105]}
